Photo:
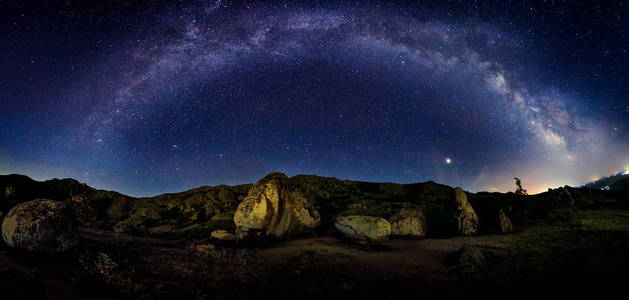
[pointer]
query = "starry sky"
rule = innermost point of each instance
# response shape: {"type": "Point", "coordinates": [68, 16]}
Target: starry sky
{"type": "Point", "coordinates": [148, 97]}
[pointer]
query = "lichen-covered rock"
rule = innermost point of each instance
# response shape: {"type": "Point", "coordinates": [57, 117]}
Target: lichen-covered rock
{"type": "Point", "coordinates": [504, 223]}
{"type": "Point", "coordinates": [363, 227]}
{"type": "Point", "coordinates": [271, 208]}
{"type": "Point", "coordinates": [40, 225]}
{"type": "Point", "coordinates": [466, 218]}
{"type": "Point", "coordinates": [409, 222]}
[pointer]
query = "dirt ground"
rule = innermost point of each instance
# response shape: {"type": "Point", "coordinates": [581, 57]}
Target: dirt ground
{"type": "Point", "coordinates": [587, 255]}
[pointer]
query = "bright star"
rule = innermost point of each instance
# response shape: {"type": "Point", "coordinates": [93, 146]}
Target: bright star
{"type": "Point", "coordinates": [448, 160]}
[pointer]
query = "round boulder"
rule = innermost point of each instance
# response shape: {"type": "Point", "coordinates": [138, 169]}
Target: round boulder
{"type": "Point", "coordinates": [363, 227]}
{"type": "Point", "coordinates": [40, 225]}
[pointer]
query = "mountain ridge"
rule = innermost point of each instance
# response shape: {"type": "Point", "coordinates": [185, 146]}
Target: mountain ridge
{"type": "Point", "coordinates": [197, 212]}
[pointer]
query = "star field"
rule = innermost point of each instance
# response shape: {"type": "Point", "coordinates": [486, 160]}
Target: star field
{"type": "Point", "coordinates": [145, 97]}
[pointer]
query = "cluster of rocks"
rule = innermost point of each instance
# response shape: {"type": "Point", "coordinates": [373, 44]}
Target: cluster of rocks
{"type": "Point", "coordinates": [274, 207]}
{"type": "Point", "coordinates": [407, 223]}
{"type": "Point", "coordinates": [271, 209]}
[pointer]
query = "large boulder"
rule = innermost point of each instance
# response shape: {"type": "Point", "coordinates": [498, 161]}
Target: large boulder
{"type": "Point", "coordinates": [271, 209]}
{"type": "Point", "coordinates": [40, 225]}
{"type": "Point", "coordinates": [409, 223]}
{"type": "Point", "coordinates": [466, 218]}
{"type": "Point", "coordinates": [364, 228]}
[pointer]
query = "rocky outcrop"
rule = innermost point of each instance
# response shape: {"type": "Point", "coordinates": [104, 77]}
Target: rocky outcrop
{"type": "Point", "coordinates": [194, 213]}
{"type": "Point", "coordinates": [364, 228]}
{"type": "Point", "coordinates": [274, 210]}
{"type": "Point", "coordinates": [409, 223]}
{"type": "Point", "coordinates": [81, 210]}
{"type": "Point", "coordinates": [504, 223]}
{"type": "Point", "coordinates": [466, 218]}
{"type": "Point", "coordinates": [40, 225]}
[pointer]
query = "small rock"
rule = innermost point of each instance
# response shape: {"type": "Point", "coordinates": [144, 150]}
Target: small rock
{"type": "Point", "coordinates": [40, 225]}
{"type": "Point", "coordinates": [223, 235]}
{"type": "Point", "coordinates": [9, 191]}
{"type": "Point", "coordinates": [206, 249]}
{"type": "Point", "coordinates": [363, 227]}
{"type": "Point", "coordinates": [105, 264]}
{"type": "Point", "coordinates": [469, 259]}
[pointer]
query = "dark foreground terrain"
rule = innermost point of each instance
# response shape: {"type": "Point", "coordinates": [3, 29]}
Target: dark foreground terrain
{"type": "Point", "coordinates": [565, 242]}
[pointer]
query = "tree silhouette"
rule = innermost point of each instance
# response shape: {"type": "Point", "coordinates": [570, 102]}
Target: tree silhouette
{"type": "Point", "coordinates": [519, 190]}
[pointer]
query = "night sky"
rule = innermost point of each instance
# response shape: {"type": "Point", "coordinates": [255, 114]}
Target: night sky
{"type": "Point", "coordinates": [148, 97]}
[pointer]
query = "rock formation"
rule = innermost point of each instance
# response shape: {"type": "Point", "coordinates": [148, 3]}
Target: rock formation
{"type": "Point", "coordinates": [40, 225]}
{"type": "Point", "coordinates": [193, 213]}
{"type": "Point", "coordinates": [409, 222]}
{"type": "Point", "coordinates": [466, 218]}
{"type": "Point", "coordinates": [273, 209]}
{"type": "Point", "coordinates": [363, 227]}
{"type": "Point", "coordinates": [504, 223]}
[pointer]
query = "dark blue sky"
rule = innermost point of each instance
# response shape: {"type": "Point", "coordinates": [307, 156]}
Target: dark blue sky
{"type": "Point", "coordinates": [147, 97]}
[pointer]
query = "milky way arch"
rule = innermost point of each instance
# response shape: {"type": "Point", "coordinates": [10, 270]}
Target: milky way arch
{"type": "Point", "coordinates": [186, 96]}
